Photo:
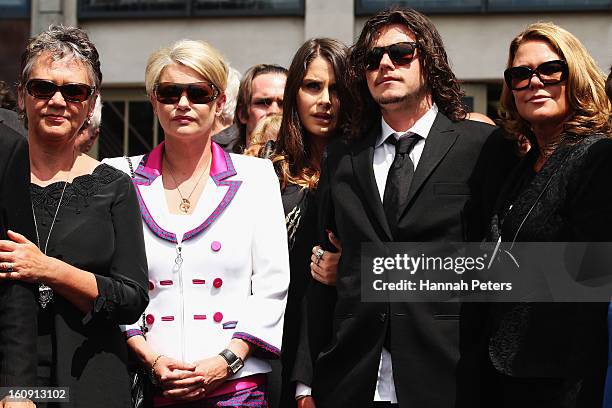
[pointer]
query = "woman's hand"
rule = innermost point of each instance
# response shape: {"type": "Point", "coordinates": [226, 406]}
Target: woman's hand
{"type": "Point", "coordinates": [325, 267]}
{"type": "Point", "coordinates": [6, 403]}
{"type": "Point", "coordinates": [21, 260]}
{"type": "Point", "coordinates": [173, 374]}
{"type": "Point", "coordinates": [210, 372]}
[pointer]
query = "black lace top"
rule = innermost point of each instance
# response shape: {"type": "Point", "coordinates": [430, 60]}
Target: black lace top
{"type": "Point", "coordinates": [568, 200]}
{"type": "Point", "coordinates": [98, 229]}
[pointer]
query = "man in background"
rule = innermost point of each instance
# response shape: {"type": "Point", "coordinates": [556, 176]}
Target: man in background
{"type": "Point", "coordinates": [260, 94]}
{"type": "Point", "coordinates": [88, 135]}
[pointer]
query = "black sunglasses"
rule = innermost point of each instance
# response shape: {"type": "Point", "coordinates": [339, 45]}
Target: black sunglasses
{"type": "Point", "coordinates": [73, 92]}
{"type": "Point", "coordinates": [170, 93]}
{"type": "Point", "coordinates": [400, 53]}
{"type": "Point", "coordinates": [549, 73]}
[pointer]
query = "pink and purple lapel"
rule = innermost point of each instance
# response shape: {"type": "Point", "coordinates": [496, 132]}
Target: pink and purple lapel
{"type": "Point", "coordinates": [221, 168]}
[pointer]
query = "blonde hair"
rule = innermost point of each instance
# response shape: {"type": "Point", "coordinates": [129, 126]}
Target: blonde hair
{"type": "Point", "coordinates": [585, 90]}
{"type": "Point", "coordinates": [266, 129]}
{"type": "Point", "coordinates": [197, 55]}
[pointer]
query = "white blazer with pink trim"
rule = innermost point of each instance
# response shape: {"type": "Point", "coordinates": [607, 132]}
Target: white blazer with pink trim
{"type": "Point", "coordinates": [226, 274]}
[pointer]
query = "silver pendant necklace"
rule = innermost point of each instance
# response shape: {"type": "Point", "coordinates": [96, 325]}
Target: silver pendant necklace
{"type": "Point", "coordinates": [45, 293]}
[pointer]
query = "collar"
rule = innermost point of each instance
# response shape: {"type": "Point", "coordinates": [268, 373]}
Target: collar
{"type": "Point", "coordinates": [221, 165]}
{"type": "Point", "coordinates": [421, 127]}
{"type": "Point", "coordinates": [221, 168]}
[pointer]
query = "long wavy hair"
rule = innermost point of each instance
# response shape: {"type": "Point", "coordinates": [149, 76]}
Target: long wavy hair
{"type": "Point", "coordinates": [292, 158]}
{"type": "Point", "coordinates": [585, 86]}
{"type": "Point", "coordinates": [440, 79]}
{"type": "Point", "coordinates": [609, 85]}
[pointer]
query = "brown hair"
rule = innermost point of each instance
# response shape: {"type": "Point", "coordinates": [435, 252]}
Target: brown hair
{"type": "Point", "coordinates": [245, 93]}
{"type": "Point", "coordinates": [441, 80]}
{"type": "Point", "coordinates": [292, 158]}
{"type": "Point", "coordinates": [585, 90]}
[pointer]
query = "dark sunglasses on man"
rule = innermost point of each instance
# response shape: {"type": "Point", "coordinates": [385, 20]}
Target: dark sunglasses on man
{"type": "Point", "coordinates": [170, 93]}
{"type": "Point", "coordinates": [549, 73]}
{"type": "Point", "coordinates": [45, 89]}
{"type": "Point", "coordinates": [401, 53]}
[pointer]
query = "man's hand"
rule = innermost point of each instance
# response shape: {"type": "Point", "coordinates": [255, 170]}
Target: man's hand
{"type": "Point", "coordinates": [325, 267]}
{"type": "Point", "coordinates": [306, 402]}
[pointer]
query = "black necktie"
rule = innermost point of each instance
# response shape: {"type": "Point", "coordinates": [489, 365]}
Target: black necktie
{"type": "Point", "coordinates": [399, 178]}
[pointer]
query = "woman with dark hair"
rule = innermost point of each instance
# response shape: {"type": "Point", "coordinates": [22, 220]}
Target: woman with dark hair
{"type": "Point", "coordinates": [553, 354]}
{"type": "Point", "coordinates": [312, 117]}
{"type": "Point", "coordinates": [88, 256]}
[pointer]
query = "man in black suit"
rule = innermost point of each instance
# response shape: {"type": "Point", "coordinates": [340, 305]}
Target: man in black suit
{"type": "Point", "coordinates": [18, 308]}
{"type": "Point", "coordinates": [413, 171]}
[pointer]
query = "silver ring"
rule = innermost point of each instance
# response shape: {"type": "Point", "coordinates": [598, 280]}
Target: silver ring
{"type": "Point", "coordinates": [7, 267]}
{"type": "Point", "coordinates": [318, 254]}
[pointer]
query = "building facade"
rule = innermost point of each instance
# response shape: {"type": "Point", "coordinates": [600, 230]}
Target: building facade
{"type": "Point", "coordinates": [476, 34]}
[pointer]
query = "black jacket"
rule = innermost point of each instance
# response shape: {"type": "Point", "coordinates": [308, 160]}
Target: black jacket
{"type": "Point", "coordinates": [230, 139]}
{"type": "Point", "coordinates": [11, 119]}
{"type": "Point", "coordinates": [344, 336]}
{"type": "Point", "coordinates": [18, 308]}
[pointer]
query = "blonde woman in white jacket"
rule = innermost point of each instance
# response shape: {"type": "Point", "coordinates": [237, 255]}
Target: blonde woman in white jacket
{"type": "Point", "coordinates": [216, 244]}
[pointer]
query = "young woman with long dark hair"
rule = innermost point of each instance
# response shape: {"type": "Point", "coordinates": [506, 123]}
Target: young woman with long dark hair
{"type": "Point", "coordinates": [313, 115]}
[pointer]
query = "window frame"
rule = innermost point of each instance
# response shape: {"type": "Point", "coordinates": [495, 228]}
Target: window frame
{"type": "Point", "coordinates": [188, 10]}
{"type": "Point", "coordinates": [22, 11]}
{"type": "Point", "coordinates": [362, 9]}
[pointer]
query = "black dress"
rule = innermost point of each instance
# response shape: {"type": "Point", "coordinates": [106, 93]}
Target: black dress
{"type": "Point", "coordinates": [98, 229]}
{"type": "Point", "coordinates": [552, 354]}
{"type": "Point", "coordinates": [300, 217]}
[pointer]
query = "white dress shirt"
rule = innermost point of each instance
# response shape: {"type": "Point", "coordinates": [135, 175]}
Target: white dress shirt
{"type": "Point", "coordinates": [384, 153]}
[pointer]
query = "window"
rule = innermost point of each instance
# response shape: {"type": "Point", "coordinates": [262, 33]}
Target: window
{"type": "Point", "coordinates": [92, 9]}
{"type": "Point", "coordinates": [14, 9]}
{"type": "Point", "coordinates": [369, 7]}
{"type": "Point", "coordinates": [548, 5]}
{"type": "Point", "coordinates": [128, 128]}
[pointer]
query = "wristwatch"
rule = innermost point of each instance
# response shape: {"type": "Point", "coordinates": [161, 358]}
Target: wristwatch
{"type": "Point", "coordinates": [234, 363]}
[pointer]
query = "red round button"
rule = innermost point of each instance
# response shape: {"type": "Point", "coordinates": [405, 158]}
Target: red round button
{"type": "Point", "coordinates": [215, 246]}
{"type": "Point", "coordinates": [217, 317]}
{"type": "Point", "coordinates": [151, 285]}
{"type": "Point", "coordinates": [217, 283]}
{"type": "Point", "coordinates": [150, 319]}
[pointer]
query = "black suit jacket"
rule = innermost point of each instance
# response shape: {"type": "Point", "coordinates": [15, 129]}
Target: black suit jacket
{"type": "Point", "coordinates": [230, 139]}
{"type": "Point", "coordinates": [18, 308]}
{"type": "Point", "coordinates": [11, 119]}
{"type": "Point", "coordinates": [343, 336]}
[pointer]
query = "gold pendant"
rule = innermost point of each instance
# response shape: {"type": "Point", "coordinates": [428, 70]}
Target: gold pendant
{"type": "Point", "coordinates": [185, 205]}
